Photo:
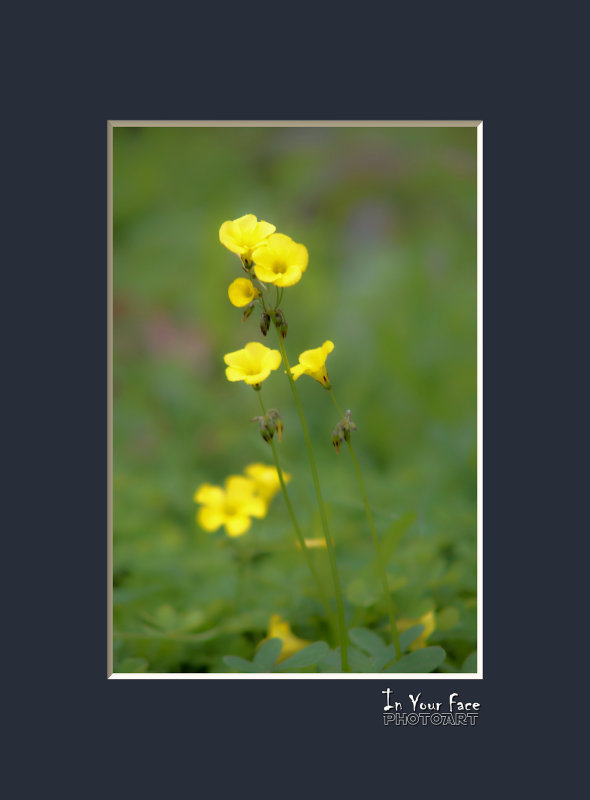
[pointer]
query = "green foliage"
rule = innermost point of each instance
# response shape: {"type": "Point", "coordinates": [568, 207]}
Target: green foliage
{"type": "Point", "coordinates": [388, 216]}
{"type": "Point", "coordinates": [425, 660]}
{"type": "Point", "coordinates": [268, 652]}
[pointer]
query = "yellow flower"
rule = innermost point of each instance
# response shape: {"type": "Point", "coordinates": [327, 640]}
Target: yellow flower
{"type": "Point", "coordinates": [429, 626]}
{"type": "Point", "coordinates": [314, 543]}
{"type": "Point", "coordinates": [266, 479]}
{"type": "Point", "coordinates": [313, 363]}
{"type": "Point", "coordinates": [278, 628]}
{"type": "Point", "coordinates": [280, 260]}
{"type": "Point", "coordinates": [242, 235]}
{"type": "Point", "coordinates": [252, 364]}
{"type": "Point", "coordinates": [231, 506]}
{"type": "Point", "coordinates": [241, 292]}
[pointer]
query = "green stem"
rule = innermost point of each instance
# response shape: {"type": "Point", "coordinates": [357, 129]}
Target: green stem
{"type": "Point", "coordinates": [322, 510]}
{"type": "Point", "coordinates": [376, 542]}
{"type": "Point", "coordinates": [298, 533]}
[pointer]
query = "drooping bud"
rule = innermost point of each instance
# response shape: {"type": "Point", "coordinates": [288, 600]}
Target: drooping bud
{"type": "Point", "coordinates": [267, 429]}
{"type": "Point", "coordinates": [264, 323]}
{"type": "Point", "coordinates": [342, 431]}
{"type": "Point", "coordinates": [280, 322]}
{"type": "Point", "coordinates": [275, 419]}
{"type": "Point", "coordinates": [336, 440]}
{"type": "Point", "coordinates": [247, 312]}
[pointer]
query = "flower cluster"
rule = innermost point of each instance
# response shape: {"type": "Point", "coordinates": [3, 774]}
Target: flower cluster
{"type": "Point", "coordinates": [341, 432]}
{"type": "Point", "coordinates": [241, 498]}
{"type": "Point", "coordinates": [274, 257]}
{"type": "Point", "coordinates": [270, 423]}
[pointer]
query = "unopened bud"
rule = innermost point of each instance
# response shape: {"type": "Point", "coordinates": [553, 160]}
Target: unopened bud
{"type": "Point", "coordinates": [275, 420]}
{"type": "Point", "coordinates": [264, 323]}
{"type": "Point", "coordinates": [342, 431]}
{"type": "Point", "coordinates": [266, 434]}
{"type": "Point", "coordinates": [267, 428]}
{"type": "Point", "coordinates": [247, 312]}
{"type": "Point", "coordinates": [280, 322]}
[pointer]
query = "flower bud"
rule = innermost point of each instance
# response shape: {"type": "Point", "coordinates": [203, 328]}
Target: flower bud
{"type": "Point", "coordinates": [275, 419]}
{"type": "Point", "coordinates": [342, 431]}
{"type": "Point", "coordinates": [267, 428]}
{"type": "Point", "coordinates": [280, 322]}
{"type": "Point", "coordinates": [264, 323]}
{"type": "Point", "coordinates": [247, 312]}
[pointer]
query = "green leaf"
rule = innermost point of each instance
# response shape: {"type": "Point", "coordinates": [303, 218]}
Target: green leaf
{"type": "Point", "coordinates": [366, 640]}
{"type": "Point", "coordinates": [387, 655]}
{"type": "Point", "coordinates": [133, 665]}
{"type": "Point", "coordinates": [362, 593]}
{"type": "Point", "coordinates": [239, 664]}
{"type": "Point", "coordinates": [470, 663]}
{"type": "Point", "coordinates": [267, 654]}
{"type": "Point", "coordinates": [393, 535]}
{"type": "Point", "coordinates": [330, 662]}
{"type": "Point", "coordinates": [357, 661]}
{"type": "Point", "coordinates": [308, 657]}
{"type": "Point", "coordinates": [408, 637]}
{"type": "Point", "coordinates": [424, 660]}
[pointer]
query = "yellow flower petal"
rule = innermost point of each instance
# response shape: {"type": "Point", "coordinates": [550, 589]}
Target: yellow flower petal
{"type": "Point", "coordinates": [313, 363]}
{"type": "Point", "coordinates": [246, 223]}
{"type": "Point", "coordinates": [209, 494]}
{"type": "Point", "coordinates": [243, 234]}
{"type": "Point", "coordinates": [266, 480]}
{"type": "Point", "coordinates": [209, 518]}
{"type": "Point", "coordinates": [279, 628]}
{"type": "Point", "coordinates": [429, 623]}
{"type": "Point", "coordinates": [252, 364]}
{"type": "Point", "coordinates": [241, 292]}
{"type": "Point", "coordinates": [280, 260]}
{"type": "Point", "coordinates": [237, 525]}
{"type": "Point", "coordinates": [239, 486]}
{"type": "Point", "coordinates": [297, 371]}
{"type": "Point", "coordinates": [231, 506]}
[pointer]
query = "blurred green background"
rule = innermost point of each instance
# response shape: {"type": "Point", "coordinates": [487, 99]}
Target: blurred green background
{"type": "Point", "coordinates": [389, 218]}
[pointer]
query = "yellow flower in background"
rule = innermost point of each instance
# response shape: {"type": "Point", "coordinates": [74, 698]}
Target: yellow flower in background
{"type": "Point", "coordinates": [252, 364]}
{"type": "Point", "coordinates": [232, 506]}
{"type": "Point", "coordinates": [429, 627]}
{"type": "Point", "coordinates": [313, 363]}
{"type": "Point", "coordinates": [314, 543]}
{"type": "Point", "coordinates": [278, 628]}
{"type": "Point", "coordinates": [242, 235]}
{"type": "Point", "coordinates": [266, 479]}
{"type": "Point", "coordinates": [241, 292]}
{"type": "Point", "coordinates": [280, 260]}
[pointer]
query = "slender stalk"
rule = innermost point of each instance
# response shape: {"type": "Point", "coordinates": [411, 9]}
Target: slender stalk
{"type": "Point", "coordinates": [298, 533]}
{"type": "Point", "coordinates": [322, 510]}
{"type": "Point", "coordinates": [376, 542]}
